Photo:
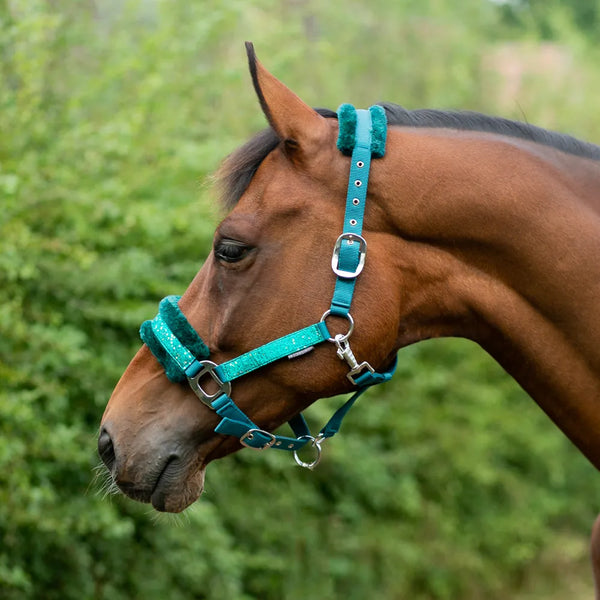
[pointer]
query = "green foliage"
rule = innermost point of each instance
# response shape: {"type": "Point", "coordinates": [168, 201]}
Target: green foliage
{"type": "Point", "coordinates": [447, 483]}
{"type": "Point", "coordinates": [545, 17]}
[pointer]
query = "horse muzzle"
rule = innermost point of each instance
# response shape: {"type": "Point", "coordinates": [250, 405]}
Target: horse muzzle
{"type": "Point", "coordinates": [155, 438]}
{"type": "Point", "coordinates": [170, 478]}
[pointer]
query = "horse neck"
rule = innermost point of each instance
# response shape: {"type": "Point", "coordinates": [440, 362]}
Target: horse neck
{"type": "Point", "coordinates": [503, 238]}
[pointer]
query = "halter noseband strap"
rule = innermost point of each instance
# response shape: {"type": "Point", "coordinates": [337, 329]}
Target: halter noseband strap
{"type": "Point", "coordinates": [184, 356]}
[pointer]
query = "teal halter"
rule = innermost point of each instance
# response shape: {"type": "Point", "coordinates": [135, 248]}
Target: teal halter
{"type": "Point", "coordinates": [184, 356]}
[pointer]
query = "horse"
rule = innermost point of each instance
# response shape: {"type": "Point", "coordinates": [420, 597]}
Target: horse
{"type": "Point", "coordinates": [477, 227]}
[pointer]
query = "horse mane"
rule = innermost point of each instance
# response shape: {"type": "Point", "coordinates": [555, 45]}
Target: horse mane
{"type": "Point", "coordinates": [235, 174]}
{"type": "Point", "coordinates": [474, 121]}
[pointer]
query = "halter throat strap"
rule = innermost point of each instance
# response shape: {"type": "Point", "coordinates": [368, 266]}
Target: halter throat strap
{"type": "Point", "coordinates": [184, 356]}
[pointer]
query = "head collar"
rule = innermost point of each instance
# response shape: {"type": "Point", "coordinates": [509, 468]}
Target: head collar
{"type": "Point", "coordinates": [184, 356]}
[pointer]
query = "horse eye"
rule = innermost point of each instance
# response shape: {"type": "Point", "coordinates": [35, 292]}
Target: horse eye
{"type": "Point", "coordinates": [231, 251]}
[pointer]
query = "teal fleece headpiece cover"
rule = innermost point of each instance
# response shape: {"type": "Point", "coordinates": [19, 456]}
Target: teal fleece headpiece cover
{"type": "Point", "coordinates": [347, 130]}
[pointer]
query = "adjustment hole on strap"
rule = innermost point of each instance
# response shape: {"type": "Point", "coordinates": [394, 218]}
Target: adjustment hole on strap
{"type": "Point", "coordinates": [360, 164]}
{"type": "Point", "coordinates": [355, 201]}
{"type": "Point", "coordinates": [353, 222]}
{"type": "Point", "coordinates": [358, 183]}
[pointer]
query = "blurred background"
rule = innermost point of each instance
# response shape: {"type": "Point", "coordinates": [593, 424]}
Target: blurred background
{"type": "Point", "coordinates": [448, 483]}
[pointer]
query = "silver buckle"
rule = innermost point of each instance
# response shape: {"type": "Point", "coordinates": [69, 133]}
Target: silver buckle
{"type": "Point", "coordinates": [208, 368]}
{"type": "Point", "coordinates": [335, 259]}
{"type": "Point", "coordinates": [249, 435]}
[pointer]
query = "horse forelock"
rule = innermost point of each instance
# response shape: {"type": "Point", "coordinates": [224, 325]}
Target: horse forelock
{"type": "Point", "coordinates": [237, 170]}
{"type": "Point", "coordinates": [234, 176]}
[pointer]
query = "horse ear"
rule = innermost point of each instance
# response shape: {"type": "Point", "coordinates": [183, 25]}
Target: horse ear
{"type": "Point", "coordinates": [296, 123]}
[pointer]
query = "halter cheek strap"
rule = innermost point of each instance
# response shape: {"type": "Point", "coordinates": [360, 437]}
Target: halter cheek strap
{"type": "Point", "coordinates": [184, 356]}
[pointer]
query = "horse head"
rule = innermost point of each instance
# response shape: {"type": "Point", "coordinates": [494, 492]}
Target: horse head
{"type": "Point", "coordinates": [269, 274]}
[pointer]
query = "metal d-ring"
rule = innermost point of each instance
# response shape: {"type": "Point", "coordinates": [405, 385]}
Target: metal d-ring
{"type": "Point", "coordinates": [316, 443]}
{"type": "Point", "coordinates": [341, 337]}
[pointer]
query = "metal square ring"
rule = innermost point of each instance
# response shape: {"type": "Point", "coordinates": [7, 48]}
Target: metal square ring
{"type": "Point", "coordinates": [208, 368]}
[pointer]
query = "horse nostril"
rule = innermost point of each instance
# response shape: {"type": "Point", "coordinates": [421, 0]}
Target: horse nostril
{"type": "Point", "coordinates": [106, 450]}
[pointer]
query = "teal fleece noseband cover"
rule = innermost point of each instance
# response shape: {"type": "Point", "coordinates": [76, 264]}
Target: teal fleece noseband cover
{"type": "Point", "coordinates": [184, 356]}
{"type": "Point", "coordinates": [172, 340]}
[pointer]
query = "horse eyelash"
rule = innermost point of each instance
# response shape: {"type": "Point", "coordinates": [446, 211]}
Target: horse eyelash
{"type": "Point", "coordinates": [231, 250]}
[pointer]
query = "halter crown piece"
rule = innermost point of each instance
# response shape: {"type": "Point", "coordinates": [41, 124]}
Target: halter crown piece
{"type": "Point", "coordinates": [184, 356]}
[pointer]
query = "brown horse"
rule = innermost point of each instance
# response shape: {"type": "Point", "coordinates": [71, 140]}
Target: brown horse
{"type": "Point", "coordinates": [477, 227]}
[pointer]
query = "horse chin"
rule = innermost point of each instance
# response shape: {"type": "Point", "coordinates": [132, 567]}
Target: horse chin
{"type": "Point", "coordinates": [174, 494]}
{"type": "Point", "coordinates": [179, 484]}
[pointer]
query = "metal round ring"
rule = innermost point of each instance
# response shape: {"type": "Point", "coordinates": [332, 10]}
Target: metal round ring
{"type": "Point", "coordinates": [344, 337]}
{"type": "Point", "coordinates": [315, 442]}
